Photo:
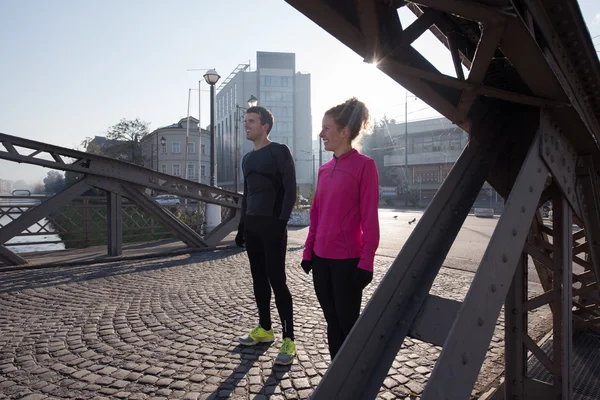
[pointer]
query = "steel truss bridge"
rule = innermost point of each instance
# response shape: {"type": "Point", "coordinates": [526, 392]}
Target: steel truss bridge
{"type": "Point", "coordinates": [531, 105]}
{"type": "Point", "coordinates": [118, 179]}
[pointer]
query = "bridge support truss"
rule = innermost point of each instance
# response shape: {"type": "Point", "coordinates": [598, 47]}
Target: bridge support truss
{"type": "Point", "coordinates": [119, 180]}
{"type": "Point", "coordinates": [531, 110]}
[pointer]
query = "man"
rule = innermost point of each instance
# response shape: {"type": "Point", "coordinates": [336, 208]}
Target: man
{"type": "Point", "coordinates": [269, 196]}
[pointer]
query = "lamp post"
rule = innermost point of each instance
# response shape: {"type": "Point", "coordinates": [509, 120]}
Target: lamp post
{"type": "Point", "coordinates": [406, 148]}
{"type": "Point", "coordinates": [252, 102]}
{"type": "Point", "coordinates": [212, 77]}
{"type": "Point", "coordinates": [163, 142]}
{"type": "Point", "coordinates": [213, 211]}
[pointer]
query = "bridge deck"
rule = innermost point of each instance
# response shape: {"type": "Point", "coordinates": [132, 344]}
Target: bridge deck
{"type": "Point", "coordinates": [168, 327]}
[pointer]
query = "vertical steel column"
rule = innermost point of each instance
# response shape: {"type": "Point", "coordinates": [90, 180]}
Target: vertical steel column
{"type": "Point", "coordinates": [114, 224]}
{"type": "Point", "coordinates": [563, 285]}
{"type": "Point", "coordinates": [465, 348]}
{"type": "Point", "coordinates": [515, 352]}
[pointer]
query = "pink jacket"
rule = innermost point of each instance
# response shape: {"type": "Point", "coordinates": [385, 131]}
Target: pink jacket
{"type": "Point", "coordinates": [344, 222]}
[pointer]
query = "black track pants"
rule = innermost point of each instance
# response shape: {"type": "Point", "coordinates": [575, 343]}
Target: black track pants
{"type": "Point", "coordinates": [339, 296]}
{"type": "Point", "coordinates": [266, 246]}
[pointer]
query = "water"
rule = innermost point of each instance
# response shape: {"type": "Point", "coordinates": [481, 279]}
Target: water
{"type": "Point", "coordinates": [24, 248]}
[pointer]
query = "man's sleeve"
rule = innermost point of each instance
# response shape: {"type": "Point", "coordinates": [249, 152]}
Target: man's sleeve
{"type": "Point", "coordinates": [309, 244]}
{"type": "Point", "coordinates": [285, 163]}
{"type": "Point", "coordinates": [244, 206]}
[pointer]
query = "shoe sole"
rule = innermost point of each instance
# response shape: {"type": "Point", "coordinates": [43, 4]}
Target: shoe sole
{"type": "Point", "coordinates": [283, 363]}
{"type": "Point", "coordinates": [257, 342]}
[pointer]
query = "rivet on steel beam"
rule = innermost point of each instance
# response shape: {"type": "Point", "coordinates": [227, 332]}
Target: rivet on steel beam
{"type": "Point", "coordinates": [539, 170]}
{"type": "Point", "coordinates": [504, 258]}
{"type": "Point", "coordinates": [480, 321]}
{"type": "Point", "coordinates": [465, 360]}
{"type": "Point", "coordinates": [530, 189]}
{"type": "Point", "coordinates": [515, 311]}
{"type": "Point", "coordinates": [493, 288]}
{"type": "Point", "coordinates": [523, 209]}
{"type": "Point", "coordinates": [551, 158]}
{"type": "Point", "coordinates": [514, 232]}
{"type": "Point", "coordinates": [569, 190]}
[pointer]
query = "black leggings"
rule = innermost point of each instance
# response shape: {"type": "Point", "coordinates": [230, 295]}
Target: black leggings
{"type": "Point", "coordinates": [266, 246]}
{"type": "Point", "coordinates": [339, 296]}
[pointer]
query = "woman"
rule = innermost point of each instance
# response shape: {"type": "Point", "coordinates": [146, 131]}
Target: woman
{"type": "Point", "coordinates": [344, 225]}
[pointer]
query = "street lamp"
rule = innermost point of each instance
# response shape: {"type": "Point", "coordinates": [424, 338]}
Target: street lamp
{"type": "Point", "coordinates": [252, 102]}
{"type": "Point", "coordinates": [213, 211]}
{"type": "Point", "coordinates": [212, 77]}
{"type": "Point", "coordinates": [163, 142]}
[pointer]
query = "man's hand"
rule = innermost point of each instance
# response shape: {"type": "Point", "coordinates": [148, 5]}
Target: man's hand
{"type": "Point", "coordinates": [239, 238]}
{"type": "Point", "coordinates": [306, 265]}
{"type": "Point", "coordinates": [363, 278]}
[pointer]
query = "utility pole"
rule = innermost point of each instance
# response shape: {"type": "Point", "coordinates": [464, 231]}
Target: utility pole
{"type": "Point", "coordinates": [406, 146]}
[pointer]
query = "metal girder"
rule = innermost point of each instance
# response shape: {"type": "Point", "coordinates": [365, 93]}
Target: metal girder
{"type": "Point", "coordinates": [561, 158]}
{"type": "Point", "coordinates": [563, 285]}
{"type": "Point", "coordinates": [162, 216]}
{"type": "Point", "coordinates": [114, 223]}
{"type": "Point", "coordinates": [10, 257]}
{"type": "Point", "coordinates": [368, 352]}
{"type": "Point", "coordinates": [435, 320]}
{"type": "Point", "coordinates": [564, 65]}
{"type": "Point", "coordinates": [91, 164]}
{"type": "Point", "coordinates": [490, 37]}
{"type": "Point", "coordinates": [515, 330]}
{"type": "Point", "coordinates": [588, 192]}
{"type": "Point", "coordinates": [464, 350]}
{"type": "Point", "coordinates": [468, 9]}
{"type": "Point", "coordinates": [33, 215]}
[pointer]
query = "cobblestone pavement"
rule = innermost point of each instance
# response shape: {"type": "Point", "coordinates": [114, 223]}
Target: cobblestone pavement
{"type": "Point", "coordinates": [168, 328]}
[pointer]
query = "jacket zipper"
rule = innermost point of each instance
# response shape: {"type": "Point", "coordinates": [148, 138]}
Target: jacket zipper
{"type": "Point", "coordinates": [334, 167]}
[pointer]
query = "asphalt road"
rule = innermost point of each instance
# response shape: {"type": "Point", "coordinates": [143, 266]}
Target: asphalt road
{"type": "Point", "coordinates": [466, 252]}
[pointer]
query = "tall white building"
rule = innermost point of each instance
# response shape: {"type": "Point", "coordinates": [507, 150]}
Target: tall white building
{"type": "Point", "coordinates": [286, 93]}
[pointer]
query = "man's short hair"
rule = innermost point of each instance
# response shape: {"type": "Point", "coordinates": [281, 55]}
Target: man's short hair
{"type": "Point", "coordinates": [266, 117]}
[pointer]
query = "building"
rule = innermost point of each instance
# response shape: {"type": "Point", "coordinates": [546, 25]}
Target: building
{"type": "Point", "coordinates": [6, 187]}
{"type": "Point", "coordinates": [164, 150]}
{"type": "Point", "coordinates": [434, 145]}
{"type": "Point", "coordinates": [281, 89]}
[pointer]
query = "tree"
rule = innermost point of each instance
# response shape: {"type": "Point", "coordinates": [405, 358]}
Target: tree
{"type": "Point", "coordinates": [38, 188]}
{"type": "Point", "coordinates": [54, 182]}
{"type": "Point", "coordinates": [127, 135]}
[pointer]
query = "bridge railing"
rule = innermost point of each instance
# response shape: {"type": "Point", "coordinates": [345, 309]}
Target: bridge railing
{"type": "Point", "coordinates": [83, 222]}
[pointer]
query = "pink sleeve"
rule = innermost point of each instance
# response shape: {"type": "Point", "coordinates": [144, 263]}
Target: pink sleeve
{"type": "Point", "coordinates": [312, 230]}
{"type": "Point", "coordinates": [369, 201]}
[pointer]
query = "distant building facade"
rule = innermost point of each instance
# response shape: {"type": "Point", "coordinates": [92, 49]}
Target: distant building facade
{"type": "Point", "coordinates": [281, 89]}
{"type": "Point", "coordinates": [434, 145]}
{"type": "Point", "coordinates": [189, 159]}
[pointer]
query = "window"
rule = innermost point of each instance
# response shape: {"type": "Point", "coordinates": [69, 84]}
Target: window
{"type": "Point", "coordinates": [427, 144]}
{"type": "Point", "coordinates": [176, 170]}
{"type": "Point", "coordinates": [163, 149]}
{"type": "Point", "coordinates": [203, 170]}
{"type": "Point", "coordinates": [176, 148]}
{"type": "Point", "coordinates": [203, 149]}
{"type": "Point", "coordinates": [191, 171]}
{"type": "Point", "coordinates": [163, 168]}
{"type": "Point", "coordinates": [191, 148]}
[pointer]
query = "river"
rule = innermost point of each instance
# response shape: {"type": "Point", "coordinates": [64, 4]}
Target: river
{"type": "Point", "coordinates": [18, 244]}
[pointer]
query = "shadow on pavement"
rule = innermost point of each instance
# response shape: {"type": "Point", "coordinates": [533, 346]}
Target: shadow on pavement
{"type": "Point", "coordinates": [16, 280]}
{"type": "Point", "coordinates": [248, 356]}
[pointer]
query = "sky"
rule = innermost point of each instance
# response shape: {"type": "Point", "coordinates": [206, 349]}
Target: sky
{"type": "Point", "coordinates": [70, 69]}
